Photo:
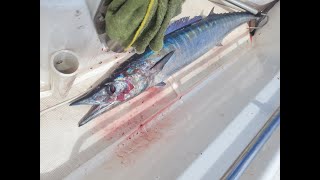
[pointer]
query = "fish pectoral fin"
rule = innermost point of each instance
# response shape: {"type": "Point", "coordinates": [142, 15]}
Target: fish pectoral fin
{"type": "Point", "coordinates": [161, 84]}
{"type": "Point", "coordinates": [160, 64]}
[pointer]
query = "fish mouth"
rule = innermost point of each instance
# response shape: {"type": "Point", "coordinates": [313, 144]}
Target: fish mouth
{"type": "Point", "coordinates": [94, 112]}
{"type": "Point", "coordinates": [82, 100]}
{"type": "Point", "coordinates": [75, 103]}
{"type": "Point", "coordinates": [87, 101]}
{"type": "Point", "coordinates": [89, 116]}
{"type": "Point", "coordinates": [90, 99]}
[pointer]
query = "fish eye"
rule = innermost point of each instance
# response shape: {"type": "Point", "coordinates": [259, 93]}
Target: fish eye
{"type": "Point", "coordinates": [111, 89]}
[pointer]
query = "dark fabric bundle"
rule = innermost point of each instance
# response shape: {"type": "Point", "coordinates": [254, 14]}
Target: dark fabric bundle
{"type": "Point", "coordinates": [139, 23]}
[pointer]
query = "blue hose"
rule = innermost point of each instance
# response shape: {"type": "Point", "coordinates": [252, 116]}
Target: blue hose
{"type": "Point", "coordinates": [252, 152]}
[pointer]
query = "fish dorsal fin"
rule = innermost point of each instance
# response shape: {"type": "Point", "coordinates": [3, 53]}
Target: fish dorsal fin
{"type": "Point", "coordinates": [212, 11]}
{"type": "Point", "coordinates": [160, 64]}
{"type": "Point", "coordinates": [181, 23]}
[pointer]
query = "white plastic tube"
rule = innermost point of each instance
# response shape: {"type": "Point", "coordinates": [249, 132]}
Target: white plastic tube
{"type": "Point", "coordinates": [64, 66]}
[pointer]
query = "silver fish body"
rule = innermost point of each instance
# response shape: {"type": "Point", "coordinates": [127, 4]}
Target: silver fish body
{"type": "Point", "coordinates": [142, 71]}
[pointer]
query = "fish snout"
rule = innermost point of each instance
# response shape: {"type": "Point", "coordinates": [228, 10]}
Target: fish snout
{"type": "Point", "coordinates": [98, 98]}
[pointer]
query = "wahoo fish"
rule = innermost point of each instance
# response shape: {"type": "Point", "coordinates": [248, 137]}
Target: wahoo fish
{"type": "Point", "coordinates": [142, 71]}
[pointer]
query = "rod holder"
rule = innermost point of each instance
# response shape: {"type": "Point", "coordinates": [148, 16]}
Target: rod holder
{"type": "Point", "coordinates": [64, 66]}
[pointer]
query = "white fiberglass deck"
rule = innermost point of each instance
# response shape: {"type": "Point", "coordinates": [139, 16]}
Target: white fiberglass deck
{"type": "Point", "coordinates": [214, 113]}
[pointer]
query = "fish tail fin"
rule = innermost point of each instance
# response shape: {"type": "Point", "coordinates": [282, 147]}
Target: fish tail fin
{"type": "Point", "coordinates": [258, 22]}
{"type": "Point", "coordinates": [262, 16]}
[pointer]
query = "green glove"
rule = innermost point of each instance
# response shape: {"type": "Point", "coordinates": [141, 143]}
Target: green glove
{"type": "Point", "coordinates": [139, 23]}
{"type": "Point", "coordinates": [174, 9]}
